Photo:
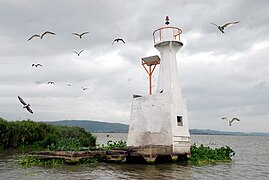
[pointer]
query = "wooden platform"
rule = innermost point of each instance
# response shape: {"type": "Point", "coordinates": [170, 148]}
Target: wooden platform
{"type": "Point", "coordinates": [148, 153]}
{"type": "Point", "coordinates": [75, 156]}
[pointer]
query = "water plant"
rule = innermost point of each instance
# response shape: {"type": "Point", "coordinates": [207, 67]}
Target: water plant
{"type": "Point", "coordinates": [69, 144]}
{"type": "Point", "coordinates": [88, 161]}
{"type": "Point", "coordinates": [27, 161]}
{"type": "Point", "coordinates": [113, 144]}
{"type": "Point", "coordinates": [204, 155]}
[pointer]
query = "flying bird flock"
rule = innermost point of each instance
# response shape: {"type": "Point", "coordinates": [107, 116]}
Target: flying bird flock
{"type": "Point", "coordinates": [78, 53]}
{"type": "Point", "coordinates": [81, 35]}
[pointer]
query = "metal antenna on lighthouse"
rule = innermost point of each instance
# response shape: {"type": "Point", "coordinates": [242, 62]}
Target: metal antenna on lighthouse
{"type": "Point", "coordinates": [167, 20]}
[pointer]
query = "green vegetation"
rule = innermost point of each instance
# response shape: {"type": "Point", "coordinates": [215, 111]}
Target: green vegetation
{"type": "Point", "coordinates": [68, 145]}
{"type": "Point", "coordinates": [199, 155]}
{"type": "Point", "coordinates": [27, 161]}
{"type": "Point", "coordinates": [205, 155]}
{"type": "Point", "coordinates": [111, 145]}
{"type": "Point", "coordinates": [31, 135]}
{"type": "Point", "coordinates": [88, 161]}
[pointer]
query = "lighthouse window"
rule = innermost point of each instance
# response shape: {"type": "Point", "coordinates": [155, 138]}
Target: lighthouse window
{"type": "Point", "coordinates": [179, 121]}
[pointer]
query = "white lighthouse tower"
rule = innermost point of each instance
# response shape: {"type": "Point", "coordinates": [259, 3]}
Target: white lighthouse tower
{"type": "Point", "coordinates": [159, 122]}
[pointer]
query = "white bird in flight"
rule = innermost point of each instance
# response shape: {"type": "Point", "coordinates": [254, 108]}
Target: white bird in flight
{"type": "Point", "coordinates": [78, 53]}
{"type": "Point", "coordinates": [231, 121]}
{"type": "Point", "coordinates": [80, 35]}
{"type": "Point", "coordinates": [117, 40]}
{"type": "Point", "coordinates": [36, 65]}
{"type": "Point", "coordinates": [51, 82]}
{"type": "Point", "coordinates": [221, 28]}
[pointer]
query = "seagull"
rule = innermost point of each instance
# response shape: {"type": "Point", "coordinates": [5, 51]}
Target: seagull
{"type": "Point", "coordinates": [84, 88]}
{"type": "Point", "coordinates": [230, 121]}
{"type": "Point", "coordinates": [42, 35]}
{"type": "Point", "coordinates": [80, 35]}
{"type": "Point", "coordinates": [25, 105]}
{"type": "Point", "coordinates": [161, 91]}
{"type": "Point", "coordinates": [117, 40]}
{"type": "Point", "coordinates": [78, 53]}
{"type": "Point", "coordinates": [36, 65]}
{"type": "Point", "coordinates": [221, 28]}
{"type": "Point", "coordinates": [234, 119]}
{"type": "Point", "coordinates": [51, 82]}
{"type": "Point", "coordinates": [69, 85]}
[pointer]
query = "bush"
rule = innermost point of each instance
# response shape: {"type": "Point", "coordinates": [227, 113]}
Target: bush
{"type": "Point", "coordinates": [31, 134]}
{"type": "Point", "coordinates": [69, 144]}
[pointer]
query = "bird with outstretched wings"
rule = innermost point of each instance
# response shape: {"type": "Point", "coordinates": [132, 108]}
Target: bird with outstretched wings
{"type": "Point", "coordinates": [25, 105]}
{"type": "Point", "coordinates": [230, 121]}
{"type": "Point", "coordinates": [51, 82]}
{"type": "Point", "coordinates": [80, 35]}
{"type": "Point", "coordinates": [36, 65]}
{"type": "Point", "coordinates": [78, 53]}
{"type": "Point", "coordinates": [221, 28]}
{"type": "Point", "coordinates": [234, 119]}
{"type": "Point", "coordinates": [117, 40]}
{"type": "Point", "coordinates": [42, 35]}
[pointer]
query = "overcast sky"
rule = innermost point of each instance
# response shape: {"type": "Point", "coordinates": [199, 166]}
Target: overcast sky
{"type": "Point", "coordinates": [221, 74]}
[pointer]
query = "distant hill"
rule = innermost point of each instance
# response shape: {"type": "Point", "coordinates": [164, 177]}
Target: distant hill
{"type": "Point", "coordinates": [105, 127]}
{"type": "Point", "coordinates": [93, 126]}
{"type": "Point", "coordinates": [214, 132]}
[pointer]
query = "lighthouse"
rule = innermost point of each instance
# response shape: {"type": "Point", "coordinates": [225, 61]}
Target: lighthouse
{"type": "Point", "coordinates": [159, 121]}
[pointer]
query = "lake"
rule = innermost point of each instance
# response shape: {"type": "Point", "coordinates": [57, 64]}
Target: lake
{"type": "Point", "coordinates": [251, 161]}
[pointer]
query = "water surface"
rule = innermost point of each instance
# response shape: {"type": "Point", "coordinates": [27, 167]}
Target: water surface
{"type": "Point", "coordinates": [251, 161]}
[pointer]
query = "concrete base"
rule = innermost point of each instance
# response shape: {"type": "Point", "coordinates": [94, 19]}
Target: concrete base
{"type": "Point", "coordinates": [152, 153]}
